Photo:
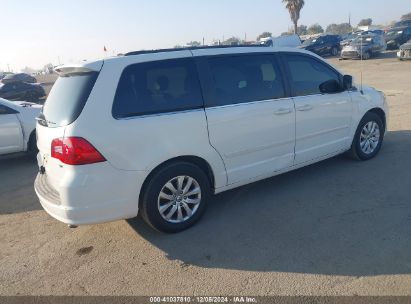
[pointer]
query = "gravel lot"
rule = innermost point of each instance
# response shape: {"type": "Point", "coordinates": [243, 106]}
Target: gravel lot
{"type": "Point", "coordinates": [339, 227]}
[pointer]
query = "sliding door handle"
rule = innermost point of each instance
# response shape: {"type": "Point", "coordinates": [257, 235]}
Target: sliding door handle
{"type": "Point", "coordinates": [306, 107]}
{"type": "Point", "coordinates": [283, 111]}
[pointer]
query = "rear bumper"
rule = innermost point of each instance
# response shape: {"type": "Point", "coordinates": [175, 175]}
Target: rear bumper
{"type": "Point", "coordinates": [100, 196]}
{"type": "Point", "coordinates": [404, 54]}
{"type": "Point", "coordinates": [350, 55]}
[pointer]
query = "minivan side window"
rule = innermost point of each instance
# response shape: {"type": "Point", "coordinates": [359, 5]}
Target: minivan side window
{"type": "Point", "coordinates": [307, 74]}
{"type": "Point", "coordinates": [244, 78]}
{"type": "Point", "coordinates": [157, 87]}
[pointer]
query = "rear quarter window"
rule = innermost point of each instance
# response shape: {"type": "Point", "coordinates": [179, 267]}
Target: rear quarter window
{"type": "Point", "coordinates": [67, 98]}
{"type": "Point", "coordinates": [157, 87]}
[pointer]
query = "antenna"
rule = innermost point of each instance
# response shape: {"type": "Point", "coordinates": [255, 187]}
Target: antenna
{"type": "Point", "coordinates": [361, 65]}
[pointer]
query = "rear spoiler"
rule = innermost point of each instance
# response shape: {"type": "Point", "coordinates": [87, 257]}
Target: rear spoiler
{"type": "Point", "coordinates": [66, 70]}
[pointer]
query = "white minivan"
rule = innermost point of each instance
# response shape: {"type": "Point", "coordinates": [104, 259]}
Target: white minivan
{"type": "Point", "coordinates": [159, 132]}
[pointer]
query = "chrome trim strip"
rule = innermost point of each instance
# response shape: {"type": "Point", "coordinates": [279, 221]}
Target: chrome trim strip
{"type": "Point", "coordinates": [160, 114]}
{"type": "Point", "coordinates": [248, 103]}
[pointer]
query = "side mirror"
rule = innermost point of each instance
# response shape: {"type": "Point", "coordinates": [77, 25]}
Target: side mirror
{"type": "Point", "coordinates": [330, 87]}
{"type": "Point", "coordinates": [347, 82]}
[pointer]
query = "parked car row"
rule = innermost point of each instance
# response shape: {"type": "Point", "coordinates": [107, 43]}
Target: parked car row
{"type": "Point", "coordinates": [362, 44]}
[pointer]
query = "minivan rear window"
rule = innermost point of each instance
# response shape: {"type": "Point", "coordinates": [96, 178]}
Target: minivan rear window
{"type": "Point", "coordinates": [67, 98]}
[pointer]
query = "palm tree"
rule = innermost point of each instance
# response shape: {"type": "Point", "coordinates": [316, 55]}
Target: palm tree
{"type": "Point", "coordinates": [294, 8]}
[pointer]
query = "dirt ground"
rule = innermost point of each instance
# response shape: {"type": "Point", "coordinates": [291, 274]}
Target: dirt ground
{"type": "Point", "coordinates": [339, 227]}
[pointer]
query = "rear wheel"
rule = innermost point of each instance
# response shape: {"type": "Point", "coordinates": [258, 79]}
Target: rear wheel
{"type": "Point", "coordinates": [32, 144]}
{"type": "Point", "coordinates": [175, 197]}
{"type": "Point", "coordinates": [368, 138]}
{"type": "Point", "coordinates": [366, 56]}
{"type": "Point", "coordinates": [334, 51]}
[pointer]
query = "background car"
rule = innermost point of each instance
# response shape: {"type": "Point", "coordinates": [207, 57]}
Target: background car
{"type": "Point", "coordinates": [351, 36]}
{"type": "Point", "coordinates": [18, 126]}
{"type": "Point", "coordinates": [405, 51]}
{"type": "Point", "coordinates": [22, 91]}
{"type": "Point", "coordinates": [4, 74]}
{"type": "Point", "coordinates": [397, 36]}
{"type": "Point", "coordinates": [323, 45]}
{"type": "Point", "coordinates": [406, 22]}
{"type": "Point", "coordinates": [347, 39]}
{"type": "Point", "coordinates": [20, 77]}
{"type": "Point", "coordinates": [364, 47]}
{"type": "Point", "coordinates": [282, 41]}
{"type": "Point", "coordinates": [376, 32]}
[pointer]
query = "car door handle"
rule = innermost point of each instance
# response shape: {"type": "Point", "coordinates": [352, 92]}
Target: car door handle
{"type": "Point", "coordinates": [306, 107]}
{"type": "Point", "coordinates": [283, 111]}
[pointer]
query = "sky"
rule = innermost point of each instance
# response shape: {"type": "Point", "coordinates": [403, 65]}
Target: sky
{"type": "Point", "coordinates": [34, 33]}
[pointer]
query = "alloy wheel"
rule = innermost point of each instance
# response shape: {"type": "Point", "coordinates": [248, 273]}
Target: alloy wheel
{"type": "Point", "coordinates": [179, 199]}
{"type": "Point", "coordinates": [370, 137]}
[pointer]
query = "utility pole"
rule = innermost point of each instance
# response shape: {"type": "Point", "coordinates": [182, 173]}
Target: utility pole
{"type": "Point", "coordinates": [349, 18]}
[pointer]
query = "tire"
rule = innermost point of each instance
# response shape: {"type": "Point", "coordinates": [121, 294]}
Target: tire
{"type": "Point", "coordinates": [32, 144]}
{"type": "Point", "coordinates": [366, 56]}
{"type": "Point", "coordinates": [358, 149]}
{"type": "Point", "coordinates": [334, 51]}
{"type": "Point", "coordinates": [151, 201]}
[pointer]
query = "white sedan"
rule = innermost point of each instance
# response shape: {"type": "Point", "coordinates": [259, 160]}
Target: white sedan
{"type": "Point", "coordinates": [18, 126]}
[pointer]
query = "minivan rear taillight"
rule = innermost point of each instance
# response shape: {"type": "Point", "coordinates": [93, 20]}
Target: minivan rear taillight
{"type": "Point", "coordinates": [75, 151]}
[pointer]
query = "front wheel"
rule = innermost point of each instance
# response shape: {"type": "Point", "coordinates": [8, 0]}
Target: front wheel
{"type": "Point", "coordinates": [175, 197]}
{"type": "Point", "coordinates": [368, 138]}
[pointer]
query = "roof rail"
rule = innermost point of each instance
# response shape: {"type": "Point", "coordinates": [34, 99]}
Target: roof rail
{"type": "Point", "coordinates": [190, 49]}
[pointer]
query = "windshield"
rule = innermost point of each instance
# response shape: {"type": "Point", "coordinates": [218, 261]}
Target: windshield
{"type": "Point", "coordinates": [363, 40]}
{"type": "Point", "coordinates": [395, 33]}
{"type": "Point", "coordinates": [351, 36]}
{"type": "Point", "coordinates": [67, 98]}
{"type": "Point", "coordinates": [310, 41]}
{"type": "Point", "coordinates": [403, 23]}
